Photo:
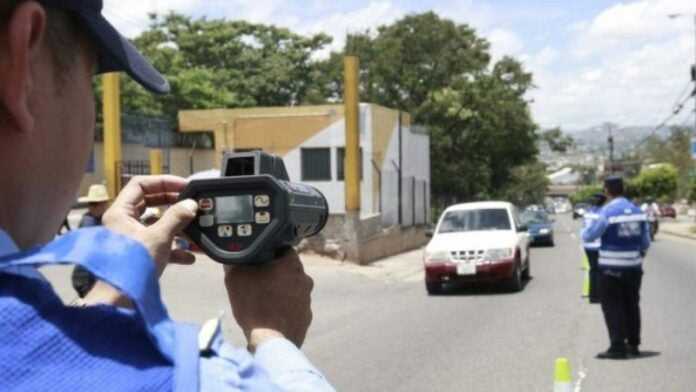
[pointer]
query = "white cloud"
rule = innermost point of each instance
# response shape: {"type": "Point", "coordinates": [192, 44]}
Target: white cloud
{"type": "Point", "coordinates": [626, 66]}
{"type": "Point", "coordinates": [338, 24]}
{"type": "Point", "coordinates": [504, 42]}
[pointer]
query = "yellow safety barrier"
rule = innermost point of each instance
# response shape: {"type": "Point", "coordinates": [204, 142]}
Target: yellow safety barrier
{"type": "Point", "coordinates": [586, 285]}
{"type": "Point", "coordinates": [563, 380]}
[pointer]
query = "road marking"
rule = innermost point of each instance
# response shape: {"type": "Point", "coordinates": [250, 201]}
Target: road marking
{"type": "Point", "coordinates": [582, 373]}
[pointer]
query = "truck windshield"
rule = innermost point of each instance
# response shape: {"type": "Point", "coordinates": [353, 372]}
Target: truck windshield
{"type": "Point", "coordinates": [475, 220]}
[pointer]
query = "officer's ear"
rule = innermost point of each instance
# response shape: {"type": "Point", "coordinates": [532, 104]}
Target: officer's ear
{"type": "Point", "coordinates": [20, 48]}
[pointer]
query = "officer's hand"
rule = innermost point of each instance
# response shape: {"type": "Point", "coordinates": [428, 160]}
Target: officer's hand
{"type": "Point", "coordinates": [147, 191]}
{"type": "Point", "coordinates": [271, 300]}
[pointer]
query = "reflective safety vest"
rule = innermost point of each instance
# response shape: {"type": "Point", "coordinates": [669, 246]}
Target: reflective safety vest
{"type": "Point", "coordinates": [622, 241]}
{"type": "Point", "coordinates": [46, 345]}
{"type": "Point", "coordinates": [589, 217]}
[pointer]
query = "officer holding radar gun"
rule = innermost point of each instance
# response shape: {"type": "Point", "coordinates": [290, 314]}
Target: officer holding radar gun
{"type": "Point", "coordinates": [120, 336]}
{"type": "Point", "coordinates": [624, 233]}
{"type": "Point", "coordinates": [592, 248]}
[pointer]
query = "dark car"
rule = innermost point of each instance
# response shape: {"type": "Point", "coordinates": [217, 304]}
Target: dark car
{"type": "Point", "coordinates": [579, 210]}
{"type": "Point", "coordinates": [667, 211]}
{"type": "Point", "coordinates": [539, 227]}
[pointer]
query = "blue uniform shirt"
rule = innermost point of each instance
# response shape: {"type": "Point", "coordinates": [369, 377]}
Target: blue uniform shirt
{"type": "Point", "coordinates": [277, 365]}
{"type": "Point", "coordinates": [623, 230]}
{"type": "Point", "coordinates": [591, 215]}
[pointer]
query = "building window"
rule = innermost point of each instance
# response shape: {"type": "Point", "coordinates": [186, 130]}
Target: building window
{"type": "Point", "coordinates": [340, 160]}
{"type": "Point", "coordinates": [316, 164]}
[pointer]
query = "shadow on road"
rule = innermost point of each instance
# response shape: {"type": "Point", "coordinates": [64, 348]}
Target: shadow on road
{"type": "Point", "coordinates": [647, 354]}
{"type": "Point", "coordinates": [474, 289]}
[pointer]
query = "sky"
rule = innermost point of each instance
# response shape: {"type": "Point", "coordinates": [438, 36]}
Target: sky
{"type": "Point", "coordinates": [594, 61]}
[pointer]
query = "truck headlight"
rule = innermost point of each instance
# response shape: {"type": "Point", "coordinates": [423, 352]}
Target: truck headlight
{"type": "Point", "coordinates": [438, 256]}
{"type": "Point", "coordinates": [499, 254]}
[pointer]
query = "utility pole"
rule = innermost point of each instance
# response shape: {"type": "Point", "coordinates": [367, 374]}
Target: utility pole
{"type": "Point", "coordinates": [611, 151]}
{"type": "Point", "coordinates": [608, 127]}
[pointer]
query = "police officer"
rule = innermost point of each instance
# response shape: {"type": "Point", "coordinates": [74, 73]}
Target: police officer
{"type": "Point", "coordinates": [624, 233]}
{"type": "Point", "coordinates": [121, 336]}
{"type": "Point", "coordinates": [596, 202]}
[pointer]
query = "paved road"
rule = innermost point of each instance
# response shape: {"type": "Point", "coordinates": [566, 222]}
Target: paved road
{"type": "Point", "coordinates": [376, 329]}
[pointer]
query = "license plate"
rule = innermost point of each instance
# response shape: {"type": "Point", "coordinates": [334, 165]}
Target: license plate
{"type": "Point", "coordinates": [466, 269]}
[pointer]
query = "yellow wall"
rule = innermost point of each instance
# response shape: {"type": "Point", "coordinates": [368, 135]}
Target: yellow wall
{"type": "Point", "coordinates": [278, 130]}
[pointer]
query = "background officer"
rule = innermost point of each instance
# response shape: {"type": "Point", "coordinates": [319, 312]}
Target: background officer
{"type": "Point", "coordinates": [592, 248]}
{"type": "Point", "coordinates": [623, 230]}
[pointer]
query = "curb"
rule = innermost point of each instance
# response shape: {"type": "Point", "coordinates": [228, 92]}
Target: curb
{"type": "Point", "coordinates": [672, 233]}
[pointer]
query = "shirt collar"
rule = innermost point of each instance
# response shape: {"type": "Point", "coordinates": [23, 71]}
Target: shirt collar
{"type": "Point", "coordinates": [7, 246]}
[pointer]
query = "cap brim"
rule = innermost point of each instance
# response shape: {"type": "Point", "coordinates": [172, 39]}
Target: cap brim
{"type": "Point", "coordinates": [116, 53]}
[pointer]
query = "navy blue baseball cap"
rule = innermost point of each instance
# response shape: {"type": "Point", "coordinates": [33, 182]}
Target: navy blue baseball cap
{"type": "Point", "coordinates": [115, 52]}
{"type": "Point", "coordinates": [614, 183]}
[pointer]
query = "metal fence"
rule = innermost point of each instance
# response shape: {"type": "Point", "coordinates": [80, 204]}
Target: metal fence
{"type": "Point", "coordinates": [130, 169]}
{"type": "Point", "coordinates": [414, 200]}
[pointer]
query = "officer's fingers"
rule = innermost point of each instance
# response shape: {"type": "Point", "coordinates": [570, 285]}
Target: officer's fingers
{"type": "Point", "coordinates": [161, 199]}
{"type": "Point", "coordinates": [141, 186]}
{"type": "Point", "coordinates": [176, 218]}
{"type": "Point", "coordinates": [180, 256]}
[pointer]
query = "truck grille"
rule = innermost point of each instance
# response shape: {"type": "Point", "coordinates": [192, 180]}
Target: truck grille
{"type": "Point", "coordinates": [469, 255]}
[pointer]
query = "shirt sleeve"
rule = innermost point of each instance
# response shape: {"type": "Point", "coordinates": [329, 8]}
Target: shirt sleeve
{"type": "Point", "coordinates": [595, 230]}
{"type": "Point", "coordinates": [289, 368]}
{"type": "Point", "coordinates": [277, 366]}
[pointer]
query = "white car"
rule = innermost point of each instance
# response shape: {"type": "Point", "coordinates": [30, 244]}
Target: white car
{"type": "Point", "coordinates": [478, 242]}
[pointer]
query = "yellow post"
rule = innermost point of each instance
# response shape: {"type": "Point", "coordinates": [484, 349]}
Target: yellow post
{"type": "Point", "coordinates": [112, 132]}
{"type": "Point", "coordinates": [352, 115]}
{"type": "Point", "coordinates": [156, 161]}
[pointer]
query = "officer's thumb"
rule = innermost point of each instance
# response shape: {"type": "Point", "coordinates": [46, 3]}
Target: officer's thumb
{"type": "Point", "coordinates": [177, 217]}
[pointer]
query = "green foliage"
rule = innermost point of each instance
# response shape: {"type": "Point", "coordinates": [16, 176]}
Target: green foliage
{"type": "Point", "coordinates": [222, 64]}
{"type": "Point", "coordinates": [528, 185]}
{"type": "Point", "coordinates": [584, 194]}
{"type": "Point", "coordinates": [691, 190]}
{"type": "Point", "coordinates": [404, 63]}
{"type": "Point", "coordinates": [440, 71]}
{"type": "Point", "coordinates": [556, 140]}
{"type": "Point", "coordinates": [659, 182]}
{"type": "Point", "coordinates": [674, 150]}
{"type": "Point", "coordinates": [482, 135]}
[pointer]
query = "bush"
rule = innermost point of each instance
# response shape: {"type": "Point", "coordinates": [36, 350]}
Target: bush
{"type": "Point", "coordinates": [583, 194]}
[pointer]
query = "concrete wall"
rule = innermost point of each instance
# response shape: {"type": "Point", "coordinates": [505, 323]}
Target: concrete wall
{"type": "Point", "coordinates": [176, 158]}
{"type": "Point", "coordinates": [371, 242]}
{"type": "Point", "coordinates": [285, 131]}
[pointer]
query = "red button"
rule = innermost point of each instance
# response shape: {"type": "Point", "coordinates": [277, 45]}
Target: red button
{"type": "Point", "coordinates": [205, 204]}
{"type": "Point", "coordinates": [235, 246]}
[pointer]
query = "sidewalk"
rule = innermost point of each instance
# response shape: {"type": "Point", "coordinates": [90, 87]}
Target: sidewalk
{"type": "Point", "coordinates": [680, 227]}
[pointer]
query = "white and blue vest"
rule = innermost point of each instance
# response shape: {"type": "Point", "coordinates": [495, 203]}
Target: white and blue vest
{"type": "Point", "coordinates": [622, 241]}
{"type": "Point", "coordinates": [589, 217]}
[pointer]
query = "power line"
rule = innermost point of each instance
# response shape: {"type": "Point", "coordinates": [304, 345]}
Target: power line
{"type": "Point", "coordinates": [677, 109]}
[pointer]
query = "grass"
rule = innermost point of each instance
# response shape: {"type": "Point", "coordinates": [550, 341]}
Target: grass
{"type": "Point", "coordinates": [692, 229]}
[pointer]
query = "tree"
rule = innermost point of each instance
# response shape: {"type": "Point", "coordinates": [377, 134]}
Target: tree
{"type": "Point", "coordinates": [584, 194]}
{"type": "Point", "coordinates": [691, 190]}
{"type": "Point", "coordinates": [557, 140]}
{"type": "Point", "coordinates": [480, 130]}
{"type": "Point", "coordinates": [528, 185]}
{"type": "Point", "coordinates": [404, 63]}
{"type": "Point", "coordinates": [659, 182]}
{"type": "Point", "coordinates": [224, 64]}
{"type": "Point", "coordinates": [674, 150]}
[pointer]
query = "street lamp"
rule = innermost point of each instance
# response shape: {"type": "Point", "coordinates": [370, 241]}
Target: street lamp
{"type": "Point", "coordinates": [693, 67]}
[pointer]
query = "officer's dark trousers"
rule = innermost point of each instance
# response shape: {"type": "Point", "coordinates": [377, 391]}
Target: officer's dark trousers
{"type": "Point", "coordinates": [619, 291]}
{"type": "Point", "coordinates": [592, 257]}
